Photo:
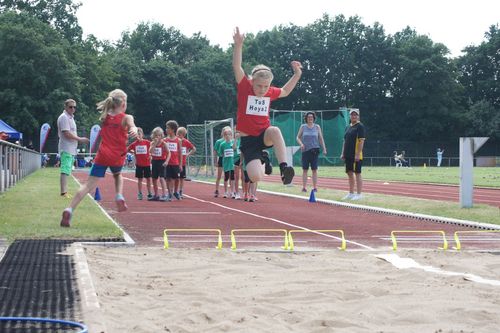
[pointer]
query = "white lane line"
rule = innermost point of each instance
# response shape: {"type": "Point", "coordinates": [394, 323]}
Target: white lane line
{"type": "Point", "coordinates": [277, 221]}
{"type": "Point", "coordinates": [405, 263]}
{"type": "Point", "coordinates": [172, 213]}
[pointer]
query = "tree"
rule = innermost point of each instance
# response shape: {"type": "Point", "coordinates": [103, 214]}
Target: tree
{"type": "Point", "coordinates": [35, 72]}
{"type": "Point", "coordinates": [61, 14]}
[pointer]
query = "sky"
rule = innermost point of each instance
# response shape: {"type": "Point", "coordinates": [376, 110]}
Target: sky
{"type": "Point", "coordinates": [455, 23]}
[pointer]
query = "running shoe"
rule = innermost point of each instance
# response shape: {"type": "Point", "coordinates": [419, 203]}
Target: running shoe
{"type": "Point", "coordinates": [252, 198]}
{"type": "Point", "coordinates": [139, 196]}
{"type": "Point", "coordinates": [150, 196]}
{"type": "Point", "coordinates": [287, 174]}
{"type": "Point", "coordinates": [225, 195]}
{"type": "Point", "coordinates": [233, 195]}
{"type": "Point", "coordinates": [357, 196]}
{"type": "Point", "coordinates": [180, 194]}
{"type": "Point", "coordinates": [154, 198]}
{"type": "Point", "coordinates": [66, 218]}
{"type": "Point", "coordinates": [349, 196]}
{"type": "Point", "coordinates": [177, 196]}
{"type": "Point", "coordinates": [265, 160]}
{"type": "Point", "coordinates": [237, 196]}
{"type": "Point", "coordinates": [245, 198]}
{"type": "Point", "coordinates": [164, 198]}
{"type": "Point", "coordinates": [216, 193]}
{"type": "Point", "coordinates": [66, 195]}
{"type": "Point", "coordinates": [120, 203]}
{"type": "Point", "coordinates": [304, 190]}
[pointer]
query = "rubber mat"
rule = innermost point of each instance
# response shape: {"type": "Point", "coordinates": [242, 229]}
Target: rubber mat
{"type": "Point", "coordinates": [38, 280]}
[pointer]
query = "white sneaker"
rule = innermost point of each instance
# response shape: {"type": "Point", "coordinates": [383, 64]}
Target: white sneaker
{"type": "Point", "coordinates": [350, 196]}
{"type": "Point", "coordinates": [357, 197]}
{"type": "Point", "coordinates": [237, 196]}
{"type": "Point", "coordinates": [225, 195]}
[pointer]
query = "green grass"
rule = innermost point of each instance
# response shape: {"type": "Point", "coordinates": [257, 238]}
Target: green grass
{"type": "Point", "coordinates": [484, 177]}
{"type": "Point", "coordinates": [32, 209]}
{"type": "Point", "coordinates": [487, 177]}
{"type": "Point", "coordinates": [479, 213]}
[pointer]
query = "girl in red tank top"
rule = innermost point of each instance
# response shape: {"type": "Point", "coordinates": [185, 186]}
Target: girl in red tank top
{"type": "Point", "coordinates": [112, 150]}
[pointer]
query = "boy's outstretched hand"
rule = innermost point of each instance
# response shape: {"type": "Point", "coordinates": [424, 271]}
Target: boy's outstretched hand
{"type": "Point", "coordinates": [297, 67]}
{"type": "Point", "coordinates": [238, 37]}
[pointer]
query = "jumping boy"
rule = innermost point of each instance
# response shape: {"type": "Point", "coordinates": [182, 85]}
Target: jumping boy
{"type": "Point", "coordinates": [254, 101]}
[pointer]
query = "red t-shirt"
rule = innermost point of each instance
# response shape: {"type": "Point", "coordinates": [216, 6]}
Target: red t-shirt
{"type": "Point", "coordinates": [141, 152]}
{"type": "Point", "coordinates": [253, 112]}
{"type": "Point", "coordinates": [174, 146]}
{"type": "Point", "coordinates": [186, 147]}
{"type": "Point", "coordinates": [113, 148]}
{"type": "Point", "coordinates": [159, 152]}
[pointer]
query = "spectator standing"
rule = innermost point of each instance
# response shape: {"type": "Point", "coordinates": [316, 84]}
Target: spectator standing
{"type": "Point", "coordinates": [310, 138]}
{"type": "Point", "coordinates": [352, 154]}
{"type": "Point", "coordinates": [439, 155]}
{"type": "Point", "coordinates": [68, 143]}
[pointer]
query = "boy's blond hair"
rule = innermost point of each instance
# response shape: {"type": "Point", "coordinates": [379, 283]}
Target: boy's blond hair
{"type": "Point", "coordinates": [262, 72]}
{"type": "Point", "coordinates": [157, 131]}
{"type": "Point", "coordinates": [182, 130]}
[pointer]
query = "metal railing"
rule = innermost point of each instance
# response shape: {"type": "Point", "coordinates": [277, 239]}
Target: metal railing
{"type": "Point", "coordinates": [16, 162]}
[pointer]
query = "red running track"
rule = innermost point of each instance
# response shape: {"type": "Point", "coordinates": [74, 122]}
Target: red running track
{"type": "Point", "coordinates": [145, 221]}
{"type": "Point", "coordinates": [490, 196]}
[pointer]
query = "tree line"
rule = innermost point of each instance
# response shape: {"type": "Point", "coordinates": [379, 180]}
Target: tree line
{"type": "Point", "coordinates": [406, 86]}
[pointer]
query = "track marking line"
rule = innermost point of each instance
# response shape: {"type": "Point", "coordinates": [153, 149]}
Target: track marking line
{"type": "Point", "coordinates": [406, 263]}
{"type": "Point", "coordinates": [172, 213]}
{"type": "Point", "coordinates": [277, 221]}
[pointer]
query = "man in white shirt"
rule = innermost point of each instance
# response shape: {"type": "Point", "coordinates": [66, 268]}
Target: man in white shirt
{"type": "Point", "coordinates": [68, 142]}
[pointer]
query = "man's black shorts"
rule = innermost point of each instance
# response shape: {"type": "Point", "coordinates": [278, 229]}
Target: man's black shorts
{"type": "Point", "coordinates": [352, 165]}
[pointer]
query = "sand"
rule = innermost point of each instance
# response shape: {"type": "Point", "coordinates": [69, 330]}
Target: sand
{"type": "Point", "coordinates": [189, 290]}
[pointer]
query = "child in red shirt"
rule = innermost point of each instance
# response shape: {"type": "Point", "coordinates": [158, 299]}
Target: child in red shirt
{"type": "Point", "coordinates": [254, 101]}
{"type": "Point", "coordinates": [115, 127]}
{"type": "Point", "coordinates": [140, 148]}
{"type": "Point", "coordinates": [174, 166]}
{"type": "Point", "coordinates": [188, 149]}
{"type": "Point", "coordinates": [160, 155]}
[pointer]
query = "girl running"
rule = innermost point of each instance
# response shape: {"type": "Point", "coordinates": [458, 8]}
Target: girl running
{"type": "Point", "coordinates": [111, 153]}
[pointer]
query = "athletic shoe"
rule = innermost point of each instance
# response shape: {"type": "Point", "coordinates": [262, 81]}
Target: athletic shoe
{"type": "Point", "coordinates": [139, 196]}
{"type": "Point", "coordinates": [252, 198]}
{"type": "Point", "coordinates": [216, 193]}
{"type": "Point", "coordinates": [304, 190]}
{"type": "Point", "coordinates": [265, 160]}
{"type": "Point", "coordinates": [177, 196]}
{"type": "Point", "coordinates": [164, 198]}
{"type": "Point", "coordinates": [287, 175]}
{"type": "Point", "coordinates": [154, 198]}
{"type": "Point", "coordinates": [237, 196]}
{"type": "Point", "coordinates": [233, 195]}
{"type": "Point", "coordinates": [150, 196]}
{"type": "Point", "coordinates": [66, 195]}
{"type": "Point", "coordinates": [66, 218]}
{"type": "Point", "coordinates": [120, 203]}
{"type": "Point", "coordinates": [245, 198]}
{"type": "Point", "coordinates": [225, 195]}
{"type": "Point", "coordinates": [315, 190]}
{"type": "Point", "coordinates": [180, 194]}
{"type": "Point", "coordinates": [349, 196]}
{"type": "Point", "coordinates": [357, 197]}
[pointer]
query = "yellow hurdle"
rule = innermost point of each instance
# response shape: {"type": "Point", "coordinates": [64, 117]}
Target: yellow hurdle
{"type": "Point", "coordinates": [341, 232]}
{"type": "Point", "coordinates": [457, 241]}
{"type": "Point", "coordinates": [233, 238]}
{"type": "Point", "coordinates": [165, 236]}
{"type": "Point", "coordinates": [395, 244]}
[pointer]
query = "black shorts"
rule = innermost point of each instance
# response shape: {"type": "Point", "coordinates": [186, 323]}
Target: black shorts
{"type": "Point", "coordinates": [252, 146]}
{"type": "Point", "coordinates": [237, 162]}
{"type": "Point", "coordinates": [158, 170]}
{"type": "Point", "coordinates": [182, 174]}
{"type": "Point", "coordinates": [142, 172]}
{"type": "Point", "coordinates": [173, 171]}
{"type": "Point", "coordinates": [219, 162]}
{"type": "Point", "coordinates": [247, 179]}
{"type": "Point", "coordinates": [310, 158]}
{"type": "Point", "coordinates": [352, 165]}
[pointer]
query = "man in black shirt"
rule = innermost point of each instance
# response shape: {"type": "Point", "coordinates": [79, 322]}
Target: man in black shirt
{"type": "Point", "coordinates": [352, 154]}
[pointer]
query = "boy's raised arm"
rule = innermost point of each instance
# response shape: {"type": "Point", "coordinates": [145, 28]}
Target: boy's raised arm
{"type": "Point", "coordinates": [238, 39]}
{"type": "Point", "coordinates": [290, 85]}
